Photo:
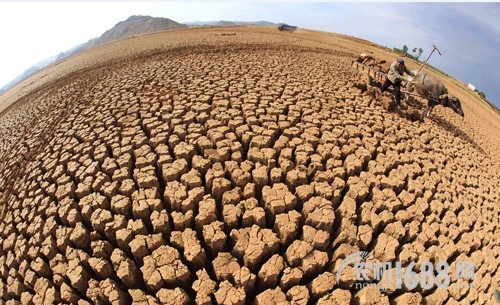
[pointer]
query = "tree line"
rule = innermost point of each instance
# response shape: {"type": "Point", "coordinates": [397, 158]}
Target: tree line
{"type": "Point", "coordinates": [417, 51]}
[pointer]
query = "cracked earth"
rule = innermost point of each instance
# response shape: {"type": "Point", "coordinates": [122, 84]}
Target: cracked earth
{"type": "Point", "coordinates": [192, 167]}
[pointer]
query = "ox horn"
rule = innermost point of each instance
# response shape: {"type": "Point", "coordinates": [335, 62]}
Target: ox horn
{"type": "Point", "coordinates": [443, 97]}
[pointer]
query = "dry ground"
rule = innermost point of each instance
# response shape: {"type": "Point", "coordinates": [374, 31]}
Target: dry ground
{"type": "Point", "coordinates": [235, 166]}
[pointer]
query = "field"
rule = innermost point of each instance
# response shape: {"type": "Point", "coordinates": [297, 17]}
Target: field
{"type": "Point", "coordinates": [236, 165]}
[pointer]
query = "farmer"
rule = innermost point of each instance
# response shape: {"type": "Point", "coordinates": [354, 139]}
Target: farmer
{"type": "Point", "coordinates": [394, 78]}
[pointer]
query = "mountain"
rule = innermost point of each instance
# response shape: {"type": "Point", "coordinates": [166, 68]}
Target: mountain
{"type": "Point", "coordinates": [134, 25]}
{"type": "Point", "coordinates": [36, 67]}
{"type": "Point", "coordinates": [229, 23]}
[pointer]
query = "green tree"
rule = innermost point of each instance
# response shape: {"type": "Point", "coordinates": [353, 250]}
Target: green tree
{"type": "Point", "coordinates": [481, 93]}
{"type": "Point", "coordinates": [417, 52]}
{"type": "Point", "coordinates": [405, 49]}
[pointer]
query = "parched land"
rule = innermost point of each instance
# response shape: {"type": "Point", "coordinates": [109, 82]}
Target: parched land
{"type": "Point", "coordinates": [236, 166]}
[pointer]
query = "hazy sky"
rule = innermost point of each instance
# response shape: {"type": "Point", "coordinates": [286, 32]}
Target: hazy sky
{"type": "Point", "coordinates": [468, 34]}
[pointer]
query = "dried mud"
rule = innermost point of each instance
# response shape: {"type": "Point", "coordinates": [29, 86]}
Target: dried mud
{"type": "Point", "coordinates": [233, 174]}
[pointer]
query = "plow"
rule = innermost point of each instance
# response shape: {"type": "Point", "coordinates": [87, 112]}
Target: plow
{"type": "Point", "coordinates": [373, 73]}
{"type": "Point", "coordinates": [374, 77]}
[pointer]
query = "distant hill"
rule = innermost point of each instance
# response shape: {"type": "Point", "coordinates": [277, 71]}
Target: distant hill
{"type": "Point", "coordinates": [134, 25]}
{"type": "Point", "coordinates": [36, 67]}
{"type": "Point", "coordinates": [229, 23]}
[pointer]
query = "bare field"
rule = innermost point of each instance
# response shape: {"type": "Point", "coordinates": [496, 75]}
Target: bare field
{"type": "Point", "coordinates": [197, 167]}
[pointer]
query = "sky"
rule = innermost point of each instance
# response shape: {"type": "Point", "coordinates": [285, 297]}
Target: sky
{"type": "Point", "coordinates": [467, 34]}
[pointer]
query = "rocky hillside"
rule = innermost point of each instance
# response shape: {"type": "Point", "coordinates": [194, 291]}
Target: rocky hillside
{"type": "Point", "coordinates": [134, 25]}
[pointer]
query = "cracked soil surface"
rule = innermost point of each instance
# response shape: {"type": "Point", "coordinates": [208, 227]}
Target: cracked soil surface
{"type": "Point", "coordinates": [194, 167]}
